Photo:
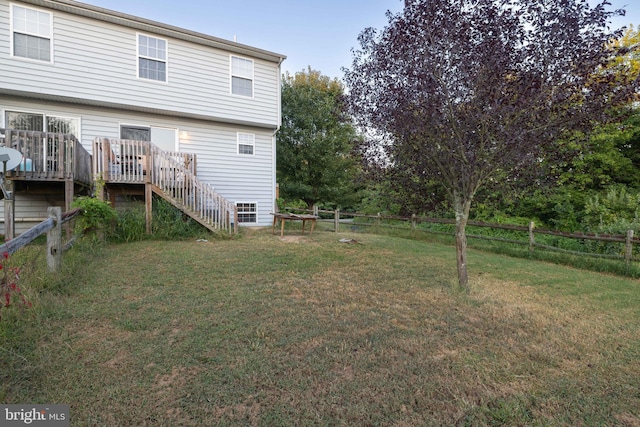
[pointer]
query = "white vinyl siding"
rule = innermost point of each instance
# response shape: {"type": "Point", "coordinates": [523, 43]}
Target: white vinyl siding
{"type": "Point", "coordinates": [241, 76]}
{"type": "Point", "coordinates": [235, 177]}
{"type": "Point", "coordinates": [152, 58]}
{"type": "Point", "coordinates": [97, 62]}
{"type": "Point", "coordinates": [31, 31]}
{"type": "Point", "coordinates": [246, 142]}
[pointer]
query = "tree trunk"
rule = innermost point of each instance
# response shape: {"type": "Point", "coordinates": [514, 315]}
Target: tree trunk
{"type": "Point", "coordinates": [462, 206]}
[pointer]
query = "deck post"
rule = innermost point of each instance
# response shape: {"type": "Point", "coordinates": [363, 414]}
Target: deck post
{"type": "Point", "coordinates": [148, 204]}
{"type": "Point", "coordinates": [107, 158]}
{"type": "Point", "coordinates": [68, 194]}
{"type": "Point", "coordinates": [148, 166]}
{"type": "Point", "coordinates": [69, 191]}
{"type": "Point", "coordinates": [99, 188]}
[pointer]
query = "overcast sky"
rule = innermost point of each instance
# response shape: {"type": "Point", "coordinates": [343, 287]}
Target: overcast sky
{"type": "Point", "coordinates": [316, 33]}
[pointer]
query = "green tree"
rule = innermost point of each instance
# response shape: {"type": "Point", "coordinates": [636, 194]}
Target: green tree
{"type": "Point", "coordinates": [315, 150]}
{"type": "Point", "coordinates": [611, 154]}
{"type": "Point", "coordinates": [609, 160]}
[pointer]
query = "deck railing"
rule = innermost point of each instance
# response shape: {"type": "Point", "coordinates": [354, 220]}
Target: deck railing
{"type": "Point", "coordinates": [174, 173]}
{"type": "Point", "coordinates": [48, 156]}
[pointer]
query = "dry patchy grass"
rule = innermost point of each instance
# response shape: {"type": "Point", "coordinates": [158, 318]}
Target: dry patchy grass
{"type": "Point", "coordinates": [270, 331]}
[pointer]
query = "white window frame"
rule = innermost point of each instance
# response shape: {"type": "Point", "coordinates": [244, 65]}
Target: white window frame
{"type": "Point", "coordinates": [148, 57]}
{"type": "Point", "coordinates": [246, 140]}
{"type": "Point", "coordinates": [241, 74]}
{"type": "Point", "coordinates": [250, 212]}
{"type": "Point", "coordinates": [25, 31]}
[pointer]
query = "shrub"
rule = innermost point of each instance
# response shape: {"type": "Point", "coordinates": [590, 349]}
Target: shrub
{"type": "Point", "coordinates": [289, 205]}
{"type": "Point", "coordinates": [617, 206]}
{"type": "Point", "coordinates": [98, 216]}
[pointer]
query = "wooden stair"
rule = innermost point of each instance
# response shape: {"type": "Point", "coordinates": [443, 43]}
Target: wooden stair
{"type": "Point", "coordinates": [170, 175]}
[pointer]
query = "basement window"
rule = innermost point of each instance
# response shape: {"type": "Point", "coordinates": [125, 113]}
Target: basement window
{"type": "Point", "coordinates": [247, 212]}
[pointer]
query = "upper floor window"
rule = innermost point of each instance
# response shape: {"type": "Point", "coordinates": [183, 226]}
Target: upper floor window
{"type": "Point", "coordinates": [241, 76]}
{"type": "Point", "coordinates": [152, 58]}
{"type": "Point", "coordinates": [31, 31]}
{"type": "Point", "coordinates": [246, 142]}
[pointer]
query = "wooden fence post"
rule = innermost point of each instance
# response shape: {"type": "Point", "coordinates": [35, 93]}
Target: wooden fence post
{"type": "Point", "coordinates": [628, 249]}
{"type": "Point", "coordinates": [54, 239]}
{"type": "Point", "coordinates": [413, 221]}
{"type": "Point", "coordinates": [336, 220]}
{"type": "Point", "coordinates": [532, 240]}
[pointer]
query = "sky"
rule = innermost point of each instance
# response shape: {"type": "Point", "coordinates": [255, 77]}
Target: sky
{"type": "Point", "coordinates": [311, 33]}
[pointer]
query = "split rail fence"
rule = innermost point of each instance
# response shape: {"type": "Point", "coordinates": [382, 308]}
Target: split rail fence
{"type": "Point", "coordinates": [415, 223]}
{"type": "Point", "coordinates": [52, 226]}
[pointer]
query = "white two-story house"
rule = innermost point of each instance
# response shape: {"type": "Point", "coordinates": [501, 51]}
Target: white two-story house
{"type": "Point", "coordinates": [126, 87]}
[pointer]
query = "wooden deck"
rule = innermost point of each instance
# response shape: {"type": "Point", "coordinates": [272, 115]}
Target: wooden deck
{"type": "Point", "coordinates": [120, 164]}
{"type": "Point", "coordinates": [53, 161]}
{"type": "Point", "coordinates": [48, 157]}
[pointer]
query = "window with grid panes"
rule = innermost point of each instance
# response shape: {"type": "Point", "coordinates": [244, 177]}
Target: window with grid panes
{"type": "Point", "coordinates": [152, 58]}
{"type": "Point", "coordinates": [241, 76]}
{"type": "Point", "coordinates": [31, 32]}
{"type": "Point", "coordinates": [247, 212]}
{"type": "Point", "coordinates": [246, 142]}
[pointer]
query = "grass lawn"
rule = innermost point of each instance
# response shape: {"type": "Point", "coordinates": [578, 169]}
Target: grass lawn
{"type": "Point", "coordinates": [261, 331]}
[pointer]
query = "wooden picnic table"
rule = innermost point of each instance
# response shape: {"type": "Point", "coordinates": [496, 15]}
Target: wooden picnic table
{"type": "Point", "coordinates": [293, 217]}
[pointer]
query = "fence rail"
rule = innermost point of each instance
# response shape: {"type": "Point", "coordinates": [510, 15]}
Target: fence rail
{"type": "Point", "coordinates": [52, 226]}
{"type": "Point", "coordinates": [355, 219]}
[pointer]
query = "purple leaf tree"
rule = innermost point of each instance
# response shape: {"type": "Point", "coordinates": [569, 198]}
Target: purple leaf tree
{"type": "Point", "coordinates": [466, 91]}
